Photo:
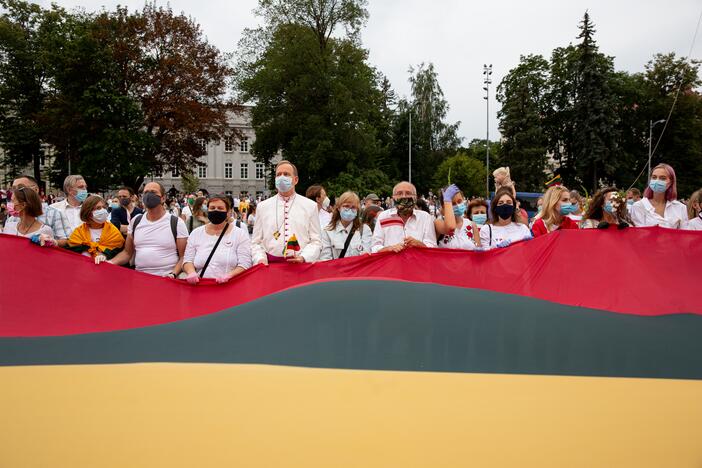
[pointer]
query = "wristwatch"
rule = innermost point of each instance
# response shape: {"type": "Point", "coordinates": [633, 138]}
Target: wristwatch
{"type": "Point", "coordinates": [172, 275]}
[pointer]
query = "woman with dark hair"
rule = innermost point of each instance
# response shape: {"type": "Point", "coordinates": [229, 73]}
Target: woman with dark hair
{"type": "Point", "coordinates": [554, 214]}
{"type": "Point", "coordinates": [28, 204]}
{"type": "Point", "coordinates": [199, 217]}
{"type": "Point", "coordinates": [345, 235]}
{"type": "Point", "coordinates": [477, 212]}
{"type": "Point", "coordinates": [96, 237]}
{"type": "Point", "coordinates": [370, 213]}
{"type": "Point", "coordinates": [454, 231]}
{"type": "Point", "coordinates": [660, 206]}
{"type": "Point", "coordinates": [504, 227]}
{"type": "Point", "coordinates": [217, 249]}
{"type": "Point", "coordinates": [608, 209]}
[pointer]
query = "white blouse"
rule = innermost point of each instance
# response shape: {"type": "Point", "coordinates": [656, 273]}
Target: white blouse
{"type": "Point", "coordinates": [644, 214]}
{"type": "Point", "coordinates": [491, 235]}
{"type": "Point", "coordinates": [233, 251]}
{"type": "Point", "coordinates": [463, 237]}
{"type": "Point", "coordinates": [333, 242]}
{"type": "Point", "coordinates": [11, 229]}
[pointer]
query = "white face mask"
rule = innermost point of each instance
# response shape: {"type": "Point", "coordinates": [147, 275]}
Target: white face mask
{"type": "Point", "coordinates": [325, 203]}
{"type": "Point", "coordinates": [100, 216]}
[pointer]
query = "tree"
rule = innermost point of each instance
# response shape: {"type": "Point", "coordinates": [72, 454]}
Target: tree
{"type": "Point", "coordinates": [521, 93]}
{"type": "Point", "coordinates": [466, 172]}
{"type": "Point", "coordinates": [27, 34]}
{"type": "Point", "coordinates": [595, 147]}
{"type": "Point", "coordinates": [316, 98]}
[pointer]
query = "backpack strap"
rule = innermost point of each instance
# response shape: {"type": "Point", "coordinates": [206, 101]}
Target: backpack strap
{"type": "Point", "coordinates": [348, 241]}
{"type": "Point", "coordinates": [174, 227]}
{"type": "Point", "coordinates": [490, 228]}
{"type": "Point", "coordinates": [137, 220]}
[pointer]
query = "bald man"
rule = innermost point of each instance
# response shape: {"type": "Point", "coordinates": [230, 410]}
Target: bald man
{"type": "Point", "coordinates": [403, 226]}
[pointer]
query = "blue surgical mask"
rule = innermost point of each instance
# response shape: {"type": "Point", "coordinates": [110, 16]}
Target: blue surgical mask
{"type": "Point", "coordinates": [283, 183]}
{"type": "Point", "coordinates": [348, 214]}
{"type": "Point", "coordinates": [114, 205]}
{"type": "Point", "coordinates": [539, 208]}
{"type": "Point", "coordinates": [100, 216]}
{"type": "Point", "coordinates": [608, 207]}
{"type": "Point", "coordinates": [81, 195]}
{"type": "Point", "coordinates": [658, 186]}
{"type": "Point", "coordinates": [480, 218]}
{"type": "Point", "coordinates": [459, 209]}
{"type": "Point", "coordinates": [630, 202]}
{"type": "Point", "coordinates": [568, 209]}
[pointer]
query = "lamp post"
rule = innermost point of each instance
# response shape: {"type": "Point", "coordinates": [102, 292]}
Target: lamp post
{"type": "Point", "coordinates": [651, 124]}
{"type": "Point", "coordinates": [410, 145]}
{"type": "Point", "coordinates": [487, 72]}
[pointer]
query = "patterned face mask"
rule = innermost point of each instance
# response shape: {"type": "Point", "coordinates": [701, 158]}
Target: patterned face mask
{"type": "Point", "coordinates": [404, 205]}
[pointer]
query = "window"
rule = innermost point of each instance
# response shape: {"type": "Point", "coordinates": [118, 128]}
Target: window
{"type": "Point", "coordinates": [228, 144]}
{"type": "Point", "coordinates": [202, 171]}
{"type": "Point", "coordinates": [244, 145]}
{"type": "Point", "coordinates": [259, 171]}
{"type": "Point", "coordinates": [244, 170]}
{"type": "Point", "coordinates": [228, 193]}
{"type": "Point", "coordinates": [158, 173]}
{"type": "Point", "coordinates": [228, 170]}
{"type": "Point", "coordinates": [243, 194]}
{"type": "Point", "coordinates": [174, 172]}
{"type": "Point", "coordinates": [203, 146]}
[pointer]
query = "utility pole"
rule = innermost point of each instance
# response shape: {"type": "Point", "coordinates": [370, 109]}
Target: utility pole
{"type": "Point", "coordinates": [410, 145]}
{"type": "Point", "coordinates": [487, 72]}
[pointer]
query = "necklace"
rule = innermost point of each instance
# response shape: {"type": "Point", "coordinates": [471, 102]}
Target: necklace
{"type": "Point", "coordinates": [27, 228]}
{"type": "Point", "coordinates": [276, 234]}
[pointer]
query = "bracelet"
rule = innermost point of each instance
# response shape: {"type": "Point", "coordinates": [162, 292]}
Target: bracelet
{"type": "Point", "coordinates": [172, 275]}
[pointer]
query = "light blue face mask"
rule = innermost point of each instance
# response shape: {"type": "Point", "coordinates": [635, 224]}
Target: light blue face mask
{"type": "Point", "coordinates": [568, 209]}
{"type": "Point", "coordinates": [608, 207]}
{"type": "Point", "coordinates": [459, 209]}
{"type": "Point", "coordinates": [348, 214]}
{"type": "Point", "coordinates": [283, 183]}
{"type": "Point", "coordinates": [658, 186]}
{"type": "Point", "coordinates": [630, 202]}
{"type": "Point", "coordinates": [81, 195]}
{"type": "Point", "coordinates": [480, 218]}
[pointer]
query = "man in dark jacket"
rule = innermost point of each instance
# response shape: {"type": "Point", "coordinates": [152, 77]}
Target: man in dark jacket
{"type": "Point", "coordinates": [122, 215]}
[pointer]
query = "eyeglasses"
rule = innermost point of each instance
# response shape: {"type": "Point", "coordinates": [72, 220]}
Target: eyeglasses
{"type": "Point", "coordinates": [404, 194]}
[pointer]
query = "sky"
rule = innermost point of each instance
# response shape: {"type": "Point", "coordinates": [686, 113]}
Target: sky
{"type": "Point", "coordinates": [460, 36]}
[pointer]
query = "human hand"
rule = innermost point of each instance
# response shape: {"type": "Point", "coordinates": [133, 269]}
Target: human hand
{"type": "Point", "coordinates": [504, 243]}
{"type": "Point", "coordinates": [397, 248]}
{"type": "Point", "coordinates": [412, 242]}
{"type": "Point", "coordinates": [451, 192]}
{"type": "Point", "coordinates": [528, 237]}
{"type": "Point", "coordinates": [223, 279]}
{"type": "Point", "coordinates": [192, 278]}
{"type": "Point", "coordinates": [99, 258]}
{"type": "Point", "coordinates": [46, 240]}
{"type": "Point", "coordinates": [296, 259]}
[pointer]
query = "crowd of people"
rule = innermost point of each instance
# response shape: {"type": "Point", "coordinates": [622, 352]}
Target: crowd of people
{"type": "Point", "coordinates": [219, 237]}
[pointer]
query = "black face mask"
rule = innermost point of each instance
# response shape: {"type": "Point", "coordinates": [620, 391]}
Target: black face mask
{"type": "Point", "coordinates": [124, 201]}
{"type": "Point", "coordinates": [217, 217]}
{"type": "Point", "coordinates": [504, 211]}
{"type": "Point", "coordinates": [151, 200]}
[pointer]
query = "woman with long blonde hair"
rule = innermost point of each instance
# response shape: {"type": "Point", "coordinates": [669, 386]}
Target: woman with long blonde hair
{"type": "Point", "coordinates": [554, 214]}
{"type": "Point", "coordinates": [346, 235]}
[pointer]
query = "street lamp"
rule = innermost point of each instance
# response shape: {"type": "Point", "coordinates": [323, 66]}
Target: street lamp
{"type": "Point", "coordinates": [410, 145]}
{"type": "Point", "coordinates": [487, 72]}
{"type": "Point", "coordinates": [651, 124]}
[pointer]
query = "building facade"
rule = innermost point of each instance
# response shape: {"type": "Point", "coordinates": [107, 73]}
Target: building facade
{"type": "Point", "coordinates": [228, 166]}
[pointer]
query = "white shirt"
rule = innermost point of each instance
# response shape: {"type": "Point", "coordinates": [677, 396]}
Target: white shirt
{"type": "Point", "coordinates": [324, 219]}
{"type": "Point", "coordinates": [233, 251]}
{"type": "Point", "coordinates": [391, 230]}
{"type": "Point", "coordinates": [462, 237]}
{"type": "Point", "coordinates": [72, 213]}
{"type": "Point", "coordinates": [11, 229]}
{"type": "Point", "coordinates": [644, 214]}
{"type": "Point", "coordinates": [513, 232]}
{"type": "Point", "coordinates": [155, 248]}
{"type": "Point", "coordinates": [695, 224]}
{"type": "Point", "coordinates": [333, 241]}
{"type": "Point", "coordinates": [186, 211]}
{"type": "Point", "coordinates": [294, 215]}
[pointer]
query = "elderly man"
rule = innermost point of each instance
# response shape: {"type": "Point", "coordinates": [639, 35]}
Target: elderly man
{"type": "Point", "coordinates": [286, 223]}
{"type": "Point", "coordinates": [403, 226]}
{"type": "Point", "coordinates": [52, 217]}
{"type": "Point", "coordinates": [156, 239]}
{"type": "Point", "coordinates": [76, 191]}
{"type": "Point", "coordinates": [371, 199]}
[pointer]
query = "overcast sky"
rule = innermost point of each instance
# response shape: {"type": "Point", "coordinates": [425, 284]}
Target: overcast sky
{"type": "Point", "coordinates": [459, 36]}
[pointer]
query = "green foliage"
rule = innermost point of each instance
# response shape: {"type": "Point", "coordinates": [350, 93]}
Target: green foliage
{"type": "Point", "coordinates": [191, 183]}
{"type": "Point", "coordinates": [467, 172]}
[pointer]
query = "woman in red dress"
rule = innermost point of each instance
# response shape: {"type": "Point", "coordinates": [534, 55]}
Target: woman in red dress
{"type": "Point", "coordinates": [554, 214]}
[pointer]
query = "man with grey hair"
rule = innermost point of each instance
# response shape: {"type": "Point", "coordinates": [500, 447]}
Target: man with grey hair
{"type": "Point", "coordinates": [76, 191]}
{"type": "Point", "coordinates": [403, 226]}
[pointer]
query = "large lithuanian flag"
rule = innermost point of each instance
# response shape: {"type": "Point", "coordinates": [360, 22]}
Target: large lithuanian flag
{"type": "Point", "coordinates": [577, 349]}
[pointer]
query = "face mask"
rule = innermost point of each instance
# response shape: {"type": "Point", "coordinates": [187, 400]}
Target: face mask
{"type": "Point", "coordinates": [204, 209]}
{"type": "Point", "coordinates": [151, 200]}
{"type": "Point", "coordinates": [191, 201]}
{"type": "Point", "coordinates": [404, 206]}
{"type": "Point", "coordinates": [658, 186]}
{"type": "Point", "coordinates": [100, 216]}
{"type": "Point", "coordinates": [11, 209]}
{"type": "Point", "coordinates": [283, 183]}
{"type": "Point", "coordinates": [504, 211]}
{"type": "Point", "coordinates": [325, 203]}
{"type": "Point", "coordinates": [480, 218]}
{"type": "Point", "coordinates": [538, 208]}
{"type": "Point", "coordinates": [348, 214]}
{"type": "Point", "coordinates": [81, 195]}
{"type": "Point", "coordinates": [608, 207]}
{"type": "Point", "coordinates": [568, 208]}
{"type": "Point", "coordinates": [114, 206]}
{"type": "Point", "coordinates": [124, 201]}
{"type": "Point", "coordinates": [217, 217]}
{"type": "Point", "coordinates": [459, 209]}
